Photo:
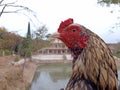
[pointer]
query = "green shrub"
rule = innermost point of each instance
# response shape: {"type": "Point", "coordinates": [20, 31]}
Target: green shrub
{"type": "Point", "coordinates": [1, 53]}
{"type": "Point", "coordinates": [7, 52]}
{"type": "Point", "coordinates": [117, 54]}
{"type": "Point", "coordinates": [17, 58]}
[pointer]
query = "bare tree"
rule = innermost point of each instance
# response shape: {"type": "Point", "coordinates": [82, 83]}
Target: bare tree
{"type": "Point", "coordinates": [40, 33]}
{"type": "Point", "coordinates": [14, 7]}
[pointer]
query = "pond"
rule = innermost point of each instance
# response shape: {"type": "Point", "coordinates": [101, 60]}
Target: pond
{"type": "Point", "coordinates": [52, 77]}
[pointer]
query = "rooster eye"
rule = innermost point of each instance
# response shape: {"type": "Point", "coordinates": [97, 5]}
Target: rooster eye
{"type": "Point", "coordinates": [74, 30]}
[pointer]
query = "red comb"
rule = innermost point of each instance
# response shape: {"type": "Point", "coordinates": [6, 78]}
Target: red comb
{"type": "Point", "coordinates": [64, 24]}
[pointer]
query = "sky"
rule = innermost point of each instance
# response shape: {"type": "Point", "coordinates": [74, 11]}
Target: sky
{"type": "Point", "coordinates": [101, 20]}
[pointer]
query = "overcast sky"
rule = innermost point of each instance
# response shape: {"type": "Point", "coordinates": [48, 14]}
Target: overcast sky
{"type": "Point", "coordinates": [51, 12]}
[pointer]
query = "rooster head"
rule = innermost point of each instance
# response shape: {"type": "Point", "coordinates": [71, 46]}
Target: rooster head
{"type": "Point", "coordinates": [71, 34]}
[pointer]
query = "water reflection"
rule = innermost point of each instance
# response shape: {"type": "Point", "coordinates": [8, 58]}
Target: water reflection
{"type": "Point", "coordinates": [51, 77]}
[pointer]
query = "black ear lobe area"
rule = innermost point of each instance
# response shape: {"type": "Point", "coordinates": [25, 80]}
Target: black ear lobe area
{"type": "Point", "coordinates": [83, 33]}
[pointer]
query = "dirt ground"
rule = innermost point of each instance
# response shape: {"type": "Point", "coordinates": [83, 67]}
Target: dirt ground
{"type": "Point", "coordinates": [13, 77]}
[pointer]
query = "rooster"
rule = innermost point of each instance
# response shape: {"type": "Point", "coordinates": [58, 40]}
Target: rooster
{"type": "Point", "coordinates": [94, 67]}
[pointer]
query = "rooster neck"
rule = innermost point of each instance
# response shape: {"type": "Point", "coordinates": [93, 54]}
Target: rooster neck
{"type": "Point", "coordinates": [75, 53]}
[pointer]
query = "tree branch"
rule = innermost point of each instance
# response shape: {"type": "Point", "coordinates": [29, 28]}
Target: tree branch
{"type": "Point", "coordinates": [16, 11]}
{"type": "Point", "coordinates": [20, 6]}
{"type": "Point", "coordinates": [19, 9]}
{"type": "Point", "coordinates": [16, 6]}
{"type": "Point", "coordinates": [1, 1]}
{"type": "Point", "coordinates": [7, 3]}
{"type": "Point", "coordinates": [3, 10]}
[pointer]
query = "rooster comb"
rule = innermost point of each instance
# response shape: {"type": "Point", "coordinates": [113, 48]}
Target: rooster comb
{"type": "Point", "coordinates": [64, 24]}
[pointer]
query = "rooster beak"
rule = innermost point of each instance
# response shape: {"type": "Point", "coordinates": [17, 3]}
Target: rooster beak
{"type": "Point", "coordinates": [55, 35]}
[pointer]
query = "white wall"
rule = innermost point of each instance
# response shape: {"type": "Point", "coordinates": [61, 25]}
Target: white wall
{"type": "Point", "coordinates": [51, 57]}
